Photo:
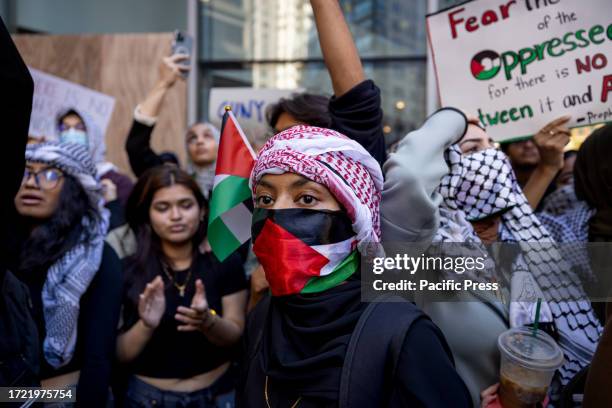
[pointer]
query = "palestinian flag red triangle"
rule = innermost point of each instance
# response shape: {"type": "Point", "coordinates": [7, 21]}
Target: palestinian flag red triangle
{"type": "Point", "coordinates": [290, 263]}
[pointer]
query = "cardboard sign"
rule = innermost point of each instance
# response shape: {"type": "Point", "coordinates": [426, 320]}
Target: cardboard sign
{"type": "Point", "coordinates": [518, 64]}
{"type": "Point", "coordinates": [54, 95]}
{"type": "Point", "coordinates": [249, 107]}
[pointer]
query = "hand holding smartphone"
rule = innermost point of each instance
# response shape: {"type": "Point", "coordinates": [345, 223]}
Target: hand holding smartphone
{"type": "Point", "coordinates": [183, 45]}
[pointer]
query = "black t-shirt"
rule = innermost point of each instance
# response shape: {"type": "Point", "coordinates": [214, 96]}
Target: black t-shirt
{"type": "Point", "coordinates": [174, 354]}
{"type": "Point", "coordinates": [358, 115]}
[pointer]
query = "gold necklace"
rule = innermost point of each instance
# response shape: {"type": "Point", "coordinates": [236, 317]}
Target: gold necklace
{"type": "Point", "coordinates": [295, 404]}
{"type": "Point", "coordinates": [180, 288]}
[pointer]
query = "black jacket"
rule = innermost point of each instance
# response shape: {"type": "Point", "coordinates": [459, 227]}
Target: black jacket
{"type": "Point", "coordinates": [396, 357]}
{"type": "Point", "coordinates": [19, 357]}
{"type": "Point", "coordinates": [18, 339]}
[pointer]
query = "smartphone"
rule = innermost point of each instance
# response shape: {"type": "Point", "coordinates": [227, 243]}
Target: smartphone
{"type": "Point", "coordinates": [182, 44]}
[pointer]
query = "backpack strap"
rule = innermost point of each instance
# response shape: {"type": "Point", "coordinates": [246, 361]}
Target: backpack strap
{"type": "Point", "coordinates": [374, 350]}
{"type": "Point", "coordinates": [256, 323]}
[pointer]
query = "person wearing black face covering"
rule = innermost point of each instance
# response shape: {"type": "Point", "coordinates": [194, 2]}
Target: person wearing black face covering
{"type": "Point", "coordinates": [313, 343]}
{"type": "Point", "coordinates": [18, 337]}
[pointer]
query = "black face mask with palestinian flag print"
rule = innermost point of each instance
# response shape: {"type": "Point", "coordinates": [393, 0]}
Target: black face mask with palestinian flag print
{"type": "Point", "coordinates": [304, 250]}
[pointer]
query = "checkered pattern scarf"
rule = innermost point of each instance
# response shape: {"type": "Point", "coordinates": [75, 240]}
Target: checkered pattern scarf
{"type": "Point", "coordinates": [467, 196]}
{"type": "Point", "coordinates": [70, 276]}
{"type": "Point", "coordinates": [567, 219]}
{"type": "Point", "coordinates": [481, 185]}
{"type": "Point", "coordinates": [560, 201]}
{"type": "Point", "coordinates": [329, 158]}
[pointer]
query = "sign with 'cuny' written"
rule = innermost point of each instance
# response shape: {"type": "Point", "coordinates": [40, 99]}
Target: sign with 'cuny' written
{"type": "Point", "coordinates": [249, 106]}
{"type": "Point", "coordinates": [518, 64]}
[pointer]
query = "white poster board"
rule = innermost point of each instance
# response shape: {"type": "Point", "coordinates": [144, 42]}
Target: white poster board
{"type": "Point", "coordinates": [518, 64]}
{"type": "Point", "coordinates": [248, 105]}
{"type": "Point", "coordinates": [53, 95]}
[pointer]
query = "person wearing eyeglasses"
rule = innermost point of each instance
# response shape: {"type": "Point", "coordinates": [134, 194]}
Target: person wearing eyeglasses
{"type": "Point", "coordinates": [74, 278]}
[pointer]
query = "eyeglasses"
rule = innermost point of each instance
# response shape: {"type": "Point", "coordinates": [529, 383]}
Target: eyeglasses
{"type": "Point", "coordinates": [46, 179]}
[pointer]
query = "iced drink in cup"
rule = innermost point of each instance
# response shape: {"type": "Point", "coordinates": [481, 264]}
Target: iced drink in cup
{"type": "Point", "coordinates": [528, 364]}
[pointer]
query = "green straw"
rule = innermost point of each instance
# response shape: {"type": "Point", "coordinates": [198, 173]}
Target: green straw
{"type": "Point", "coordinates": [537, 318]}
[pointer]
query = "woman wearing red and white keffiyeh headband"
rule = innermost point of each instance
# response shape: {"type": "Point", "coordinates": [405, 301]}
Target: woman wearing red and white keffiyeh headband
{"type": "Point", "coordinates": [330, 169]}
{"type": "Point", "coordinates": [317, 195]}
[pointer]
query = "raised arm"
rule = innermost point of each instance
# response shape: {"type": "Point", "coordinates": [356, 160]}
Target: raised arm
{"type": "Point", "coordinates": [550, 141]}
{"type": "Point", "coordinates": [355, 108]}
{"type": "Point", "coordinates": [170, 70]}
{"type": "Point", "coordinates": [337, 45]}
{"type": "Point", "coordinates": [138, 143]}
{"type": "Point", "coordinates": [409, 207]}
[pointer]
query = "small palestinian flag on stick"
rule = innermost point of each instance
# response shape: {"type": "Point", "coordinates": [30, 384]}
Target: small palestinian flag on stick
{"type": "Point", "coordinates": [229, 221]}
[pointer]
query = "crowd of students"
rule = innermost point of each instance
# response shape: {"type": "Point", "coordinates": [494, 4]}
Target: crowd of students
{"type": "Point", "coordinates": [110, 287]}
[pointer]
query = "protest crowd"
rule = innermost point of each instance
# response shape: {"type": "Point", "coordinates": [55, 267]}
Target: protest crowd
{"type": "Point", "coordinates": [113, 285]}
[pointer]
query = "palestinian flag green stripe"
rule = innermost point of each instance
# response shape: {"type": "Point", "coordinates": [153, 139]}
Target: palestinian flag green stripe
{"type": "Point", "coordinates": [342, 272]}
{"type": "Point", "coordinates": [229, 219]}
{"type": "Point", "coordinates": [221, 239]}
{"type": "Point", "coordinates": [227, 194]}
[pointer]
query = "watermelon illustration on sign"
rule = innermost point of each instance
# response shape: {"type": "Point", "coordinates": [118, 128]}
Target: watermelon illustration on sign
{"type": "Point", "coordinates": [485, 65]}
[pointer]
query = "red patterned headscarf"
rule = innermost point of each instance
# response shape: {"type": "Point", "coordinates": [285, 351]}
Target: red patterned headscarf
{"type": "Point", "coordinates": [329, 158]}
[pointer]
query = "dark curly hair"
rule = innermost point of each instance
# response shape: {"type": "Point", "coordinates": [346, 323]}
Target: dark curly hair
{"type": "Point", "coordinates": [50, 240]}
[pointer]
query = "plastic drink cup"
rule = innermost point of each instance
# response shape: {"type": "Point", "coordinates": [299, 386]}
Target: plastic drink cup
{"type": "Point", "coordinates": [528, 364]}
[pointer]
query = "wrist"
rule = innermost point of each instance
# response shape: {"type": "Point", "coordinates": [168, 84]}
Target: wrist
{"type": "Point", "coordinates": [146, 327]}
{"type": "Point", "coordinates": [549, 169]}
{"type": "Point", "coordinates": [210, 321]}
{"type": "Point", "coordinates": [164, 84]}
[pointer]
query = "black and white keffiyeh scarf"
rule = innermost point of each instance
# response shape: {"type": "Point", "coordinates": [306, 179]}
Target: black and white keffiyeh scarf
{"type": "Point", "coordinates": [571, 225]}
{"type": "Point", "coordinates": [560, 201]}
{"type": "Point", "coordinates": [567, 220]}
{"type": "Point", "coordinates": [483, 184]}
{"type": "Point", "coordinates": [70, 276]}
{"type": "Point", "coordinates": [478, 186]}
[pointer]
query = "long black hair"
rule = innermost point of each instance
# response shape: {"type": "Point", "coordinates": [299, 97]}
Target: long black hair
{"type": "Point", "coordinates": [144, 265]}
{"type": "Point", "coordinates": [49, 241]}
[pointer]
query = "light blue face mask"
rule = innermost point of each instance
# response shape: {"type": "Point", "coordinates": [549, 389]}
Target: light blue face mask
{"type": "Point", "coordinates": [73, 135]}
